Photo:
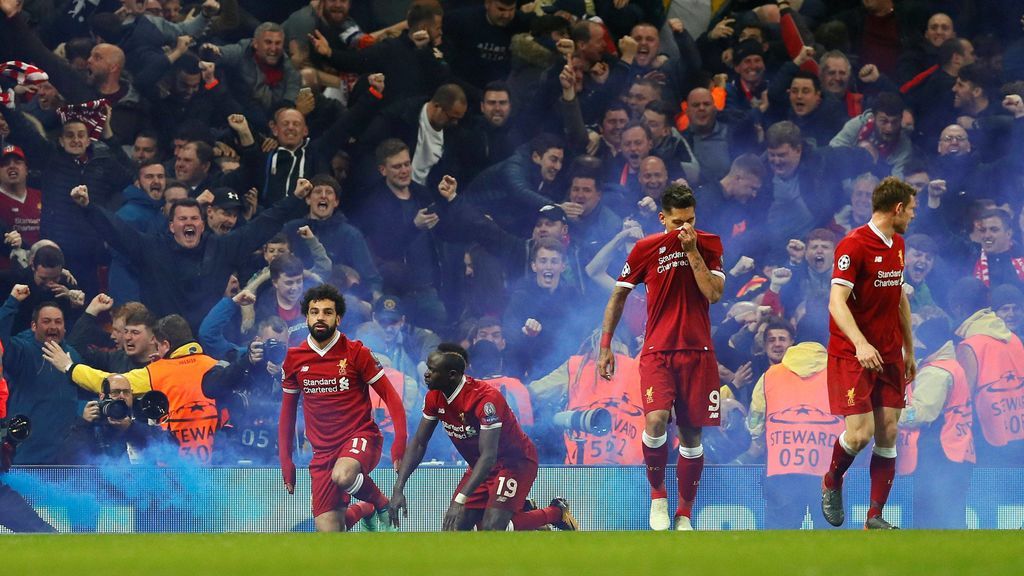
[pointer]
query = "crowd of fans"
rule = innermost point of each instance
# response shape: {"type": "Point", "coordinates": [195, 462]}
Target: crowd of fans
{"type": "Point", "coordinates": [175, 174]}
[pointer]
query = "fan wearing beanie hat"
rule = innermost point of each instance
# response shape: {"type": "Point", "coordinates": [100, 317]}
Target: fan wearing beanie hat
{"type": "Point", "coordinates": [1007, 302]}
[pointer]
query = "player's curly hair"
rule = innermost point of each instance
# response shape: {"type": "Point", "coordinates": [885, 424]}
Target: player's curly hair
{"type": "Point", "coordinates": [890, 192]}
{"type": "Point", "coordinates": [324, 292]}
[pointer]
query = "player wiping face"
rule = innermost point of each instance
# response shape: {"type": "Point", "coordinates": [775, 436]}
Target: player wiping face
{"type": "Point", "coordinates": [682, 219]}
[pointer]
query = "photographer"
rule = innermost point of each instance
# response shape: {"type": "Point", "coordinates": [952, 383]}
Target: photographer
{"type": "Point", "coordinates": [563, 398]}
{"type": "Point", "coordinates": [256, 402]}
{"type": "Point", "coordinates": [193, 382]}
{"type": "Point", "coordinates": [108, 433]}
{"type": "Point", "coordinates": [15, 513]}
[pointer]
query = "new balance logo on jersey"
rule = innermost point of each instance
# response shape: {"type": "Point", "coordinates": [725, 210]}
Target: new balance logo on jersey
{"type": "Point", "coordinates": [304, 369]}
{"type": "Point", "coordinates": [878, 259]}
{"type": "Point", "coordinates": [662, 250]}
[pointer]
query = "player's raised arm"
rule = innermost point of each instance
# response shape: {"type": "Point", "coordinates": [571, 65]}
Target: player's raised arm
{"type": "Point", "coordinates": [867, 355]}
{"type": "Point", "coordinates": [409, 463]}
{"type": "Point", "coordinates": [481, 470]}
{"type": "Point", "coordinates": [711, 285]}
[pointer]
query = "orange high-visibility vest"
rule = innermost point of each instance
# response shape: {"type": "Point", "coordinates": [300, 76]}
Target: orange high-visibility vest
{"type": "Point", "coordinates": [517, 395]}
{"type": "Point", "coordinates": [999, 393]}
{"type": "Point", "coordinates": [955, 436]}
{"type": "Point", "coordinates": [621, 397]}
{"type": "Point", "coordinates": [799, 429]}
{"type": "Point", "coordinates": [193, 419]}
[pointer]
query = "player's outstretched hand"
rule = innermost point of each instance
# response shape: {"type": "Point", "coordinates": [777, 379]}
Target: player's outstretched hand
{"type": "Point", "coordinates": [396, 505]}
{"type": "Point", "coordinates": [453, 517]}
{"type": "Point", "coordinates": [606, 363]}
{"type": "Point", "coordinates": [869, 357]}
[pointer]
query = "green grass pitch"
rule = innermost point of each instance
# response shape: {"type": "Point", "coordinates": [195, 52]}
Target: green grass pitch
{"type": "Point", "coordinates": [903, 553]}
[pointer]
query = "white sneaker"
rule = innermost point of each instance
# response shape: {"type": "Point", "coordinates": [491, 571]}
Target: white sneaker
{"type": "Point", "coordinates": [659, 514]}
{"type": "Point", "coordinates": [683, 524]}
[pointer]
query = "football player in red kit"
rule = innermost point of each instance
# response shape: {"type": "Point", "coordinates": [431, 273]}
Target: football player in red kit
{"type": "Point", "coordinates": [682, 269]}
{"type": "Point", "coordinates": [870, 347]}
{"type": "Point", "coordinates": [334, 375]}
{"type": "Point", "coordinates": [502, 460]}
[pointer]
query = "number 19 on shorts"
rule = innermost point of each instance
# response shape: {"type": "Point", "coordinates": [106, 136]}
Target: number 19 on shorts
{"type": "Point", "coordinates": [507, 487]}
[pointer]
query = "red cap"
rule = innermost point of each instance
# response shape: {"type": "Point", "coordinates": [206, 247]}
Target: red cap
{"type": "Point", "coordinates": [12, 149]}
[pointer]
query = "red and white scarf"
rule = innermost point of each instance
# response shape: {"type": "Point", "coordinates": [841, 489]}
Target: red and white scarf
{"type": "Point", "coordinates": [981, 268]}
{"type": "Point", "coordinates": [22, 73]}
{"type": "Point", "coordinates": [93, 114]}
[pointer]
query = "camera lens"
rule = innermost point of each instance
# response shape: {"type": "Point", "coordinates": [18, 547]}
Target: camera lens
{"type": "Point", "coordinates": [115, 409]}
{"type": "Point", "coordinates": [19, 428]}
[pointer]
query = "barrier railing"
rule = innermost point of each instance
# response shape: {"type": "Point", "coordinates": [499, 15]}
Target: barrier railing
{"type": "Point", "coordinates": [84, 499]}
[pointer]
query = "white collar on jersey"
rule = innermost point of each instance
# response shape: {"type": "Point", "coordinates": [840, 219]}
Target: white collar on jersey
{"type": "Point", "coordinates": [323, 351]}
{"type": "Point", "coordinates": [457, 390]}
{"type": "Point", "coordinates": [887, 241]}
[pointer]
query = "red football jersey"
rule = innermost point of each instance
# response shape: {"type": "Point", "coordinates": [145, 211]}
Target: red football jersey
{"type": "Point", "coordinates": [677, 311]}
{"type": "Point", "coordinates": [476, 406]}
{"type": "Point", "coordinates": [22, 216]}
{"type": "Point", "coordinates": [335, 385]}
{"type": "Point", "coordinates": [873, 268]}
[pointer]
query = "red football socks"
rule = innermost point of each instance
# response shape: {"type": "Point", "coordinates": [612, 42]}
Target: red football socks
{"type": "Point", "coordinates": [656, 459]}
{"type": "Point", "coordinates": [356, 512]}
{"type": "Point", "coordinates": [883, 470]}
{"type": "Point", "coordinates": [688, 472]}
{"type": "Point", "coordinates": [841, 461]}
{"type": "Point", "coordinates": [536, 518]}
{"type": "Point", "coordinates": [368, 492]}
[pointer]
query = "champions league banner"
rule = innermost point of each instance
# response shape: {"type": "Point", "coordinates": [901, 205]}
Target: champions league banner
{"type": "Point", "coordinates": [125, 500]}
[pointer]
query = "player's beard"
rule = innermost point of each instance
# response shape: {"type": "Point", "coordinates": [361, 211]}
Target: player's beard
{"type": "Point", "coordinates": [322, 332]}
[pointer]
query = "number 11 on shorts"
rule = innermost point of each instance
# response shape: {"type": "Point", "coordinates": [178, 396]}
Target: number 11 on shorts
{"type": "Point", "coordinates": [358, 445]}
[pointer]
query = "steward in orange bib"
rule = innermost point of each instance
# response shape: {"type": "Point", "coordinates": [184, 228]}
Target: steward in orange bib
{"type": "Point", "coordinates": [789, 420]}
{"type": "Point", "coordinates": [191, 380]}
{"type": "Point", "coordinates": [577, 386]}
{"type": "Point", "coordinates": [993, 361]}
{"type": "Point", "coordinates": [935, 436]}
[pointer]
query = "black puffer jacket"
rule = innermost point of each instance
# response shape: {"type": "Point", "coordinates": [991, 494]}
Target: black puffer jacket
{"type": "Point", "coordinates": [189, 281]}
